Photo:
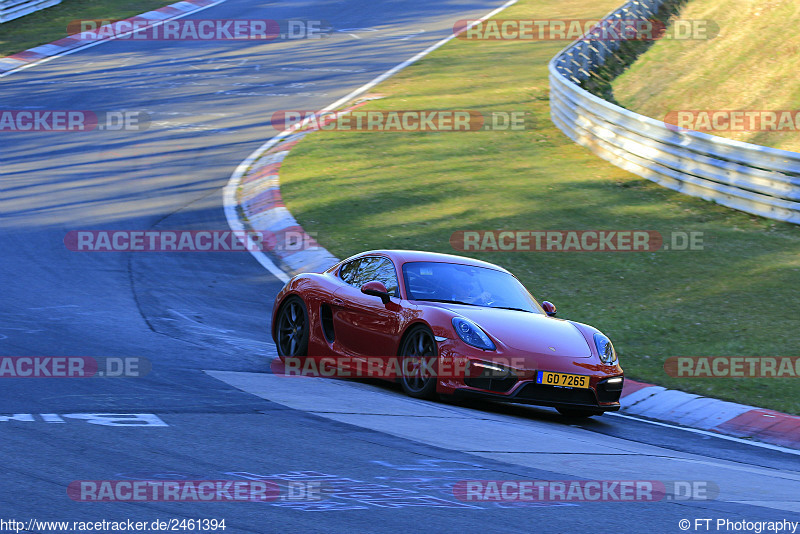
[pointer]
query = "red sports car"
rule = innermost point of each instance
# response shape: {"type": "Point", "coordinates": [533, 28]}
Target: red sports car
{"type": "Point", "coordinates": [446, 325]}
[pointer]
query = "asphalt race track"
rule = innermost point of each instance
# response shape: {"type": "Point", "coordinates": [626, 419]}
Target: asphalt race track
{"type": "Point", "coordinates": [210, 409]}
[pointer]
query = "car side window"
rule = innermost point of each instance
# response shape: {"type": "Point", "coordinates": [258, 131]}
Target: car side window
{"type": "Point", "coordinates": [348, 271]}
{"type": "Point", "coordinates": [375, 268]}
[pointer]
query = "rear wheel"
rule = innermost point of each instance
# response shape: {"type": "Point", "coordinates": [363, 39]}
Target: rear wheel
{"type": "Point", "coordinates": [578, 414]}
{"type": "Point", "coordinates": [418, 355]}
{"type": "Point", "coordinates": [292, 329]}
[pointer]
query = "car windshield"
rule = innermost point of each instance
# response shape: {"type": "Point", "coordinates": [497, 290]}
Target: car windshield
{"type": "Point", "coordinates": [466, 284]}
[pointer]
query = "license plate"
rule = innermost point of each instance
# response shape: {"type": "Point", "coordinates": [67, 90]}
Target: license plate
{"type": "Point", "coordinates": [562, 379]}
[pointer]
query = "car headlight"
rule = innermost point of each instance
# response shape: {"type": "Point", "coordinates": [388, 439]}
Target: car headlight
{"type": "Point", "coordinates": [605, 349]}
{"type": "Point", "coordinates": [471, 334]}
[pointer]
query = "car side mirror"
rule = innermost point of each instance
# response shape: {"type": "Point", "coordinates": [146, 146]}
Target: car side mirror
{"type": "Point", "coordinates": [549, 308]}
{"type": "Point", "coordinates": [376, 289]}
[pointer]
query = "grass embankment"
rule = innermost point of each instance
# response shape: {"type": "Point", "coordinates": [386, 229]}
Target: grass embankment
{"type": "Point", "coordinates": [750, 65]}
{"type": "Point", "coordinates": [50, 24]}
{"type": "Point", "coordinates": [365, 190]}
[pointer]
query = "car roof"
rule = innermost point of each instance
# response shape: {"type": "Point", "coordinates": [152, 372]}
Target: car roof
{"type": "Point", "coordinates": [405, 256]}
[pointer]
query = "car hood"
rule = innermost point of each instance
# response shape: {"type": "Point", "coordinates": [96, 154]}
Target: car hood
{"type": "Point", "coordinates": [527, 331]}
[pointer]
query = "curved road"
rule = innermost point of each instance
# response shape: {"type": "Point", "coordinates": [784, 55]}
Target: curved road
{"type": "Point", "coordinates": [210, 409]}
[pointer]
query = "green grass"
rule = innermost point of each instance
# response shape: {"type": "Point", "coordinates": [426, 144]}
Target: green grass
{"type": "Point", "coordinates": [50, 24]}
{"type": "Point", "coordinates": [751, 65]}
{"type": "Point", "coordinates": [738, 296]}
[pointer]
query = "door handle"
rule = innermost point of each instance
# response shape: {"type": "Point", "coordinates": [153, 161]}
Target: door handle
{"type": "Point", "coordinates": [338, 302]}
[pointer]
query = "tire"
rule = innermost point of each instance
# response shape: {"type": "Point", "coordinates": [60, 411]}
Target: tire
{"type": "Point", "coordinates": [419, 381]}
{"type": "Point", "coordinates": [291, 329]}
{"type": "Point", "coordinates": [578, 414]}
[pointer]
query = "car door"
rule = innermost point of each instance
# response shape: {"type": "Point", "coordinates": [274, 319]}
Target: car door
{"type": "Point", "coordinates": [364, 325]}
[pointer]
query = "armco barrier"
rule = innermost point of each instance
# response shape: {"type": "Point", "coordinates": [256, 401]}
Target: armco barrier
{"type": "Point", "coordinates": [13, 9]}
{"type": "Point", "coordinates": [751, 178]}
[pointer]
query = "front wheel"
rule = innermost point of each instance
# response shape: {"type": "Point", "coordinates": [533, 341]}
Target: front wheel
{"type": "Point", "coordinates": [578, 414]}
{"type": "Point", "coordinates": [418, 355]}
{"type": "Point", "coordinates": [292, 329]}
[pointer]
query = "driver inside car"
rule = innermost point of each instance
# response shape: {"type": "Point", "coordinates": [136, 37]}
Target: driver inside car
{"type": "Point", "coordinates": [464, 288]}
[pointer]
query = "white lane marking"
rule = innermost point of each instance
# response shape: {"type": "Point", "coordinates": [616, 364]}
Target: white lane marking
{"type": "Point", "coordinates": [352, 31]}
{"type": "Point", "coordinates": [312, 69]}
{"type": "Point", "coordinates": [104, 419]}
{"type": "Point", "coordinates": [119, 419]}
{"type": "Point", "coordinates": [711, 434]}
{"type": "Point", "coordinates": [112, 38]}
{"type": "Point", "coordinates": [412, 34]}
{"type": "Point", "coordinates": [229, 192]}
{"type": "Point", "coordinates": [51, 418]}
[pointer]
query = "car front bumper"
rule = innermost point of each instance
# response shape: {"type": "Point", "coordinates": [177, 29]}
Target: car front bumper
{"type": "Point", "coordinates": [598, 398]}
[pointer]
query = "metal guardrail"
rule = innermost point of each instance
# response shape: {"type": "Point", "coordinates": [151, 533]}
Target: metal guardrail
{"type": "Point", "coordinates": [751, 178]}
{"type": "Point", "coordinates": [14, 9]}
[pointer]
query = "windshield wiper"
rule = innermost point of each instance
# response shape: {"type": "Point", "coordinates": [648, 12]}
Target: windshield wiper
{"type": "Point", "coordinates": [508, 308]}
{"type": "Point", "coordinates": [448, 301]}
